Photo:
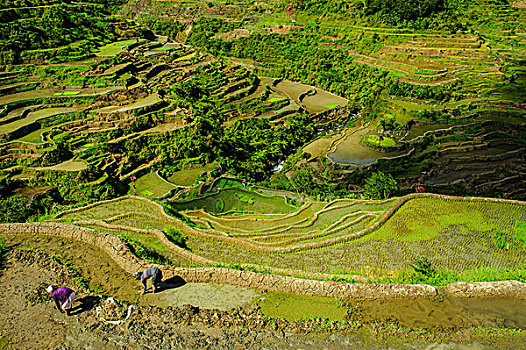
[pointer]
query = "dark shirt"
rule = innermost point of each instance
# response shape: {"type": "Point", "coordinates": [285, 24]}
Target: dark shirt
{"type": "Point", "coordinates": [148, 273]}
{"type": "Point", "coordinates": [60, 295]}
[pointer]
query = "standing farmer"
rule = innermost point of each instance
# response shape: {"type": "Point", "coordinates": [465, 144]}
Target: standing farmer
{"type": "Point", "coordinates": [63, 297]}
{"type": "Point", "coordinates": [154, 273]}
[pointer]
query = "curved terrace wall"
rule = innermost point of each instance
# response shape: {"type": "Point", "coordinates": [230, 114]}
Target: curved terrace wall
{"type": "Point", "coordinates": [304, 246]}
{"type": "Point", "coordinates": [120, 252]}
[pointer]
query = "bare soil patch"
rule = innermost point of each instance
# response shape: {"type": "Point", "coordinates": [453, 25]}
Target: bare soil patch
{"type": "Point", "coordinates": [41, 326]}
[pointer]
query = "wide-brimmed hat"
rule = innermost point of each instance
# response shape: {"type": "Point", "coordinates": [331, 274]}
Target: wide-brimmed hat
{"type": "Point", "coordinates": [50, 289]}
{"type": "Point", "coordinates": [136, 275]}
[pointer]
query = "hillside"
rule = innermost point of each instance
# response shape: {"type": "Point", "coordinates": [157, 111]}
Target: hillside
{"type": "Point", "coordinates": [339, 149]}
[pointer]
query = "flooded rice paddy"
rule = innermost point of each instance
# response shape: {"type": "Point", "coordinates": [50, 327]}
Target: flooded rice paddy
{"type": "Point", "coordinates": [351, 151]}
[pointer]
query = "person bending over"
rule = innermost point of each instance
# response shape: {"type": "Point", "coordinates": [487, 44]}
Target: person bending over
{"type": "Point", "coordinates": [154, 273]}
{"type": "Point", "coordinates": [63, 297]}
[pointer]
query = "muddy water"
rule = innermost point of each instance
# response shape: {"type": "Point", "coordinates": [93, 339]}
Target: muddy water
{"type": "Point", "coordinates": [294, 90]}
{"type": "Point", "coordinates": [351, 151]}
{"type": "Point", "coordinates": [318, 102]}
{"type": "Point", "coordinates": [202, 295]}
{"type": "Point", "coordinates": [443, 312]}
{"type": "Point", "coordinates": [315, 103]}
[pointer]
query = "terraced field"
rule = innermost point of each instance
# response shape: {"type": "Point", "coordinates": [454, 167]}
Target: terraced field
{"type": "Point", "coordinates": [366, 238]}
{"type": "Point", "coordinates": [84, 118]}
{"type": "Point", "coordinates": [207, 106]}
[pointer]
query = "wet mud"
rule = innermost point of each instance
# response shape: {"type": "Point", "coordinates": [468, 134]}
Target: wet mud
{"type": "Point", "coordinates": [441, 323]}
{"type": "Point", "coordinates": [443, 312]}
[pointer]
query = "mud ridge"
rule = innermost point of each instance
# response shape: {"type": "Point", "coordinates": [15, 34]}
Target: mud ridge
{"type": "Point", "coordinates": [119, 251]}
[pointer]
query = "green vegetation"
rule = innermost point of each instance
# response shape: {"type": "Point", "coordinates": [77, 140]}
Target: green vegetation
{"type": "Point", "coordinates": [241, 103]}
{"type": "Point", "coordinates": [66, 93]}
{"type": "Point", "coordinates": [424, 241]}
{"type": "Point", "coordinates": [228, 183]}
{"type": "Point", "coordinates": [422, 219]}
{"type": "Point", "coordinates": [236, 200]}
{"type": "Point", "coordinates": [175, 236]}
{"type": "Point", "coordinates": [520, 228]}
{"type": "Point", "coordinates": [40, 32]}
{"type": "Point", "coordinates": [112, 49]}
{"type": "Point", "coordinates": [108, 210]}
{"type": "Point", "coordinates": [145, 246]}
{"type": "Point", "coordinates": [380, 186]}
{"type": "Point", "coordinates": [2, 247]}
{"type": "Point", "coordinates": [395, 11]}
{"type": "Point", "coordinates": [21, 209]}
{"type": "Point", "coordinates": [188, 177]}
{"type": "Point", "coordinates": [293, 307]}
{"type": "Point", "coordinates": [31, 118]}
{"type": "Point", "coordinates": [381, 141]}
{"type": "Point", "coordinates": [150, 185]}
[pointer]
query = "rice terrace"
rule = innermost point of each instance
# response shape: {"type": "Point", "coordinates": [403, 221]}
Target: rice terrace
{"type": "Point", "coordinates": [282, 174]}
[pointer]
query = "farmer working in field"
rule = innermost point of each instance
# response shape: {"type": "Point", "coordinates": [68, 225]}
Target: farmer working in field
{"type": "Point", "coordinates": [63, 297]}
{"type": "Point", "coordinates": [154, 273]}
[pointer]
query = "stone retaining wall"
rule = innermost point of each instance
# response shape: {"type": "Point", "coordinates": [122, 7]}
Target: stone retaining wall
{"type": "Point", "coordinates": [304, 246]}
{"type": "Point", "coordinates": [188, 255]}
{"type": "Point", "coordinates": [121, 253]}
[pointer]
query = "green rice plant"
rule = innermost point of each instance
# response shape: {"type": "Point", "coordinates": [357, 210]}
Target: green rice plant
{"type": "Point", "coordinates": [520, 229]}
{"type": "Point", "coordinates": [220, 205]}
{"type": "Point", "coordinates": [151, 185]}
{"type": "Point", "coordinates": [187, 177]}
{"type": "Point", "coordinates": [146, 253]}
{"type": "Point", "coordinates": [383, 142]}
{"type": "Point", "coordinates": [38, 294]}
{"type": "Point", "coordinates": [66, 93]}
{"type": "Point", "coordinates": [106, 210]}
{"type": "Point", "coordinates": [2, 246]}
{"type": "Point", "coordinates": [501, 240]}
{"type": "Point", "coordinates": [426, 73]}
{"type": "Point", "coordinates": [245, 198]}
{"type": "Point", "coordinates": [299, 307]}
{"type": "Point", "coordinates": [331, 105]}
{"type": "Point", "coordinates": [233, 203]}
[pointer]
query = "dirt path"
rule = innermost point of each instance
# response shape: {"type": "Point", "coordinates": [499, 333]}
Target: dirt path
{"type": "Point", "coordinates": [23, 326]}
{"type": "Point", "coordinates": [105, 276]}
{"type": "Point", "coordinates": [41, 326]}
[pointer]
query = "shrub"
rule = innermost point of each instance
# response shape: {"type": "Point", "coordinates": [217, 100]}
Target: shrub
{"type": "Point", "coordinates": [380, 186]}
{"type": "Point", "coordinates": [16, 209]}
{"type": "Point", "coordinates": [175, 236]}
{"type": "Point", "coordinates": [423, 266]}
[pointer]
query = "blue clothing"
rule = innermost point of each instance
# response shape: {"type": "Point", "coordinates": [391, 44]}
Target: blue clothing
{"type": "Point", "coordinates": [60, 295]}
{"type": "Point", "coordinates": [155, 274]}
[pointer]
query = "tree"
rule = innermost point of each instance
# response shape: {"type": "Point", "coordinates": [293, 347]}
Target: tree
{"type": "Point", "coordinates": [380, 186]}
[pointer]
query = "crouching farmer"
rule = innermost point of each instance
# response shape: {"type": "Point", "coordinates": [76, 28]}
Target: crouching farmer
{"type": "Point", "coordinates": [63, 297]}
{"type": "Point", "coordinates": [154, 273]}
